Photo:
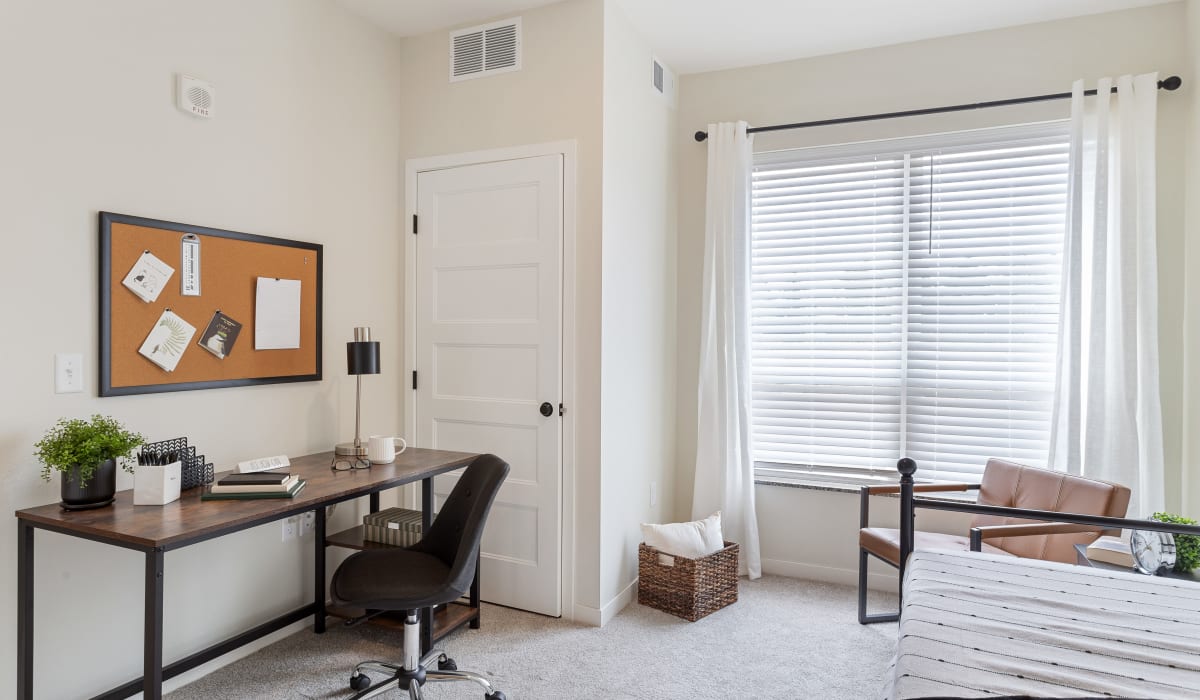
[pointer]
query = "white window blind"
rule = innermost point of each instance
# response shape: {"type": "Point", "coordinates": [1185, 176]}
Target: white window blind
{"type": "Point", "coordinates": [905, 302]}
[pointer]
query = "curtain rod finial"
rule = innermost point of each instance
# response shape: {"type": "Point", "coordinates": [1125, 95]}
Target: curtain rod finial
{"type": "Point", "coordinates": [701, 136]}
{"type": "Point", "coordinates": [1171, 83]}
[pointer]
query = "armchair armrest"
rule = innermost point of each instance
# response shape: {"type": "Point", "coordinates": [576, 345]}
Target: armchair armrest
{"type": "Point", "coordinates": [865, 492]}
{"type": "Point", "coordinates": [979, 534]}
{"type": "Point", "coordinates": [921, 488]}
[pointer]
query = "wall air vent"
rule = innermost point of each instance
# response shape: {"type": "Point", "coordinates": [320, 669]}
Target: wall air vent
{"type": "Point", "coordinates": [662, 79]}
{"type": "Point", "coordinates": [485, 50]}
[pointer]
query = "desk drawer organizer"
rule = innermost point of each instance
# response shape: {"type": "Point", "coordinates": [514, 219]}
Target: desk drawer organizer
{"type": "Point", "coordinates": [193, 470]}
{"type": "Point", "coordinates": [692, 588]}
{"type": "Point", "coordinates": [400, 527]}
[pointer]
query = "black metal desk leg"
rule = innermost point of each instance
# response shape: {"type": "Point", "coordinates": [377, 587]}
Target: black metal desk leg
{"type": "Point", "coordinates": [426, 504]}
{"type": "Point", "coordinates": [319, 571]}
{"type": "Point", "coordinates": [152, 635]}
{"type": "Point", "coordinates": [426, 521]}
{"type": "Point", "coordinates": [24, 610]}
{"type": "Point", "coordinates": [475, 593]}
{"type": "Point", "coordinates": [374, 501]}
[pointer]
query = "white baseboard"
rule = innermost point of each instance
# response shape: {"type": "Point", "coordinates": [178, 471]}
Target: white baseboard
{"type": "Point", "coordinates": [240, 653]}
{"type": "Point", "coordinates": [618, 603]}
{"type": "Point", "coordinates": [829, 574]}
{"type": "Point", "coordinates": [587, 615]}
{"type": "Point", "coordinates": [599, 617]}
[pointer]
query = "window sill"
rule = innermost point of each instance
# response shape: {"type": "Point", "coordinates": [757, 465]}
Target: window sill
{"type": "Point", "coordinates": [808, 485]}
{"type": "Point", "coordinates": [851, 487]}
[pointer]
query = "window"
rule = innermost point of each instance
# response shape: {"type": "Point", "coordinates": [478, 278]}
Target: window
{"type": "Point", "coordinates": [905, 303]}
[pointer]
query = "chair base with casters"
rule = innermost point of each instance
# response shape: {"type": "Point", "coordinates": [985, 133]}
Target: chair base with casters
{"type": "Point", "coordinates": [416, 670]}
{"type": "Point", "coordinates": [437, 570]}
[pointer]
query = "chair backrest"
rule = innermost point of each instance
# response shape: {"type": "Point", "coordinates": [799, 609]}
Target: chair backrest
{"type": "Point", "coordinates": [1018, 486]}
{"type": "Point", "coordinates": [455, 534]}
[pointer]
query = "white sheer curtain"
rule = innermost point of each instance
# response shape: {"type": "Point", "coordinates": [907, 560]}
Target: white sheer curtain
{"type": "Point", "coordinates": [1107, 415]}
{"type": "Point", "coordinates": [724, 465]}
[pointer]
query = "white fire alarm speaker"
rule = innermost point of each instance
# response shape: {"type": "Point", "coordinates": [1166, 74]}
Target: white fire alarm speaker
{"type": "Point", "coordinates": [196, 97]}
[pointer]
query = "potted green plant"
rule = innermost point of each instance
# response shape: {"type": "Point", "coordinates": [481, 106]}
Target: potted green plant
{"type": "Point", "coordinates": [86, 453]}
{"type": "Point", "coordinates": [1187, 547]}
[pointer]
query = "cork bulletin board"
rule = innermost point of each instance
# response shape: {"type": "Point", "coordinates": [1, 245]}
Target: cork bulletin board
{"type": "Point", "coordinates": [211, 271]}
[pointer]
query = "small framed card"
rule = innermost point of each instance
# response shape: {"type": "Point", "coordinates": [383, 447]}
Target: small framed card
{"type": "Point", "coordinates": [220, 335]}
{"type": "Point", "coordinates": [168, 340]}
{"type": "Point", "coordinates": [148, 277]}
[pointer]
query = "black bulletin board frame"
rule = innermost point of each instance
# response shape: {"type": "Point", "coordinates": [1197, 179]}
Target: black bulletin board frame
{"type": "Point", "coordinates": [107, 219]}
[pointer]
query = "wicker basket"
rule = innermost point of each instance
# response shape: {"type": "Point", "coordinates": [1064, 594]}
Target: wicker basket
{"type": "Point", "coordinates": [692, 588]}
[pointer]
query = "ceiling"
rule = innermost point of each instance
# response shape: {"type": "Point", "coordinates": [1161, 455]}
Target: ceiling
{"type": "Point", "coordinates": [750, 32]}
{"type": "Point", "coordinates": [695, 36]}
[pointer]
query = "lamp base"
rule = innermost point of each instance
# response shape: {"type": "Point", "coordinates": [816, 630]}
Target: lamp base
{"type": "Point", "coordinates": [349, 449]}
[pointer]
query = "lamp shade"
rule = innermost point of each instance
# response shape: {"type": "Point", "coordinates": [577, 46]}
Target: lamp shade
{"type": "Point", "coordinates": [362, 353]}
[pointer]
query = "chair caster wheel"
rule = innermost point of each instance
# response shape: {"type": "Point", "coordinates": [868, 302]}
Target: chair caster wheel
{"type": "Point", "coordinates": [495, 696]}
{"type": "Point", "coordinates": [447, 665]}
{"type": "Point", "coordinates": [360, 681]}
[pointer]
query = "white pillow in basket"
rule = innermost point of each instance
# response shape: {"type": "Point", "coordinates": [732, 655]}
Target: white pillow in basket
{"type": "Point", "coordinates": [691, 540]}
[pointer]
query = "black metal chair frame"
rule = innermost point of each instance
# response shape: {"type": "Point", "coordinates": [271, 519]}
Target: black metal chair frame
{"type": "Point", "coordinates": [909, 503]}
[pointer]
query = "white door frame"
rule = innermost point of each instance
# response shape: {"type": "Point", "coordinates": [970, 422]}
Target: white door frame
{"type": "Point", "coordinates": [413, 166]}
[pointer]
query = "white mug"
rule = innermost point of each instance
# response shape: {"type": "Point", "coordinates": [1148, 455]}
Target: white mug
{"type": "Point", "coordinates": [383, 450]}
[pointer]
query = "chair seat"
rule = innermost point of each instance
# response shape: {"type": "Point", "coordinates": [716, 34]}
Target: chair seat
{"type": "Point", "coordinates": [884, 543]}
{"type": "Point", "coordinates": [392, 579]}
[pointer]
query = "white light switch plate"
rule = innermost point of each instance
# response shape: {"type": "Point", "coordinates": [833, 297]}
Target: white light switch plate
{"type": "Point", "coordinates": [68, 373]}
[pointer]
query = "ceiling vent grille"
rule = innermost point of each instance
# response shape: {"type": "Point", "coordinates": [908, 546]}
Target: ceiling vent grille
{"type": "Point", "coordinates": [485, 50]}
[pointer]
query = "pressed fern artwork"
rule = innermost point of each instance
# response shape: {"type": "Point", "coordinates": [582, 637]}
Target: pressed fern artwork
{"type": "Point", "coordinates": [167, 341]}
{"type": "Point", "coordinates": [174, 343]}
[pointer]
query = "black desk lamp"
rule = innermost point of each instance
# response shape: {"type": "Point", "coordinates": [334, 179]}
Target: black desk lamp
{"type": "Point", "coordinates": [362, 357]}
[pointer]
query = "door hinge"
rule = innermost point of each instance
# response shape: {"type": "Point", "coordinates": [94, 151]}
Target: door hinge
{"type": "Point", "coordinates": [414, 224]}
{"type": "Point", "coordinates": [414, 380]}
{"type": "Point", "coordinates": [560, 409]}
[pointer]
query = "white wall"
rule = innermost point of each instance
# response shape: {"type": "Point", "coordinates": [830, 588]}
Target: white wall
{"type": "Point", "coordinates": [555, 96]}
{"type": "Point", "coordinates": [1028, 60]}
{"type": "Point", "coordinates": [585, 77]}
{"type": "Point", "coordinates": [638, 328]}
{"type": "Point", "coordinates": [302, 146]}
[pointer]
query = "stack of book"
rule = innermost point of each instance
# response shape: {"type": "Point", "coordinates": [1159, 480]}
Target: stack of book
{"type": "Point", "coordinates": [1111, 550]}
{"type": "Point", "coordinates": [254, 485]}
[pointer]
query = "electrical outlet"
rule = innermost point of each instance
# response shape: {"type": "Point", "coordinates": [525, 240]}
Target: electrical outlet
{"type": "Point", "coordinates": [308, 521]}
{"type": "Point", "coordinates": [290, 527]}
{"type": "Point", "coordinates": [653, 493]}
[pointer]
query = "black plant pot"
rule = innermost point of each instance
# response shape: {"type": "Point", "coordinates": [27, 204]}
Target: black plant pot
{"type": "Point", "coordinates": [96, 494]}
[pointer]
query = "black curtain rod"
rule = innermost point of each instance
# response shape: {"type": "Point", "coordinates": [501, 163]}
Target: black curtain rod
{"type": "Point", "coordinates": [1171, 83]}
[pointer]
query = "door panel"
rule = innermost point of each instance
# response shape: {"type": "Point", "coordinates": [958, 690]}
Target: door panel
{"type": "Point", "coordinates": [488, 354]}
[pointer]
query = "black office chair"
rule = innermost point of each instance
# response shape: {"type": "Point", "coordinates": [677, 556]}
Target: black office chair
{"type": "Point", "coordinates": [438, 569]}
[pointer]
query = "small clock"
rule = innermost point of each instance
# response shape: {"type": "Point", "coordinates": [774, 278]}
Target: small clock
{"type": "Point", "coordinates": [1152, 551]}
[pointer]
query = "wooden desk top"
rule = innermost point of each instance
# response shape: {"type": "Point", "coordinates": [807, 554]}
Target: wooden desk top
{"type": "Point", "coordinates": [190, 519]}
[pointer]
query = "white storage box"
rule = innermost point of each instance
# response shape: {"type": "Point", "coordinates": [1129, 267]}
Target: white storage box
{"type": "Point", "coordinates": [156, 486]}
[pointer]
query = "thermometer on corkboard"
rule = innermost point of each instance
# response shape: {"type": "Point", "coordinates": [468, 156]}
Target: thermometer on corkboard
{"type": "Point", "coordinates": [189, 278]}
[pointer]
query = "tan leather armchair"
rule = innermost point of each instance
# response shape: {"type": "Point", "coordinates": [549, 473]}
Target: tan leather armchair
{"type": "Point", "coordinates": [1004, 484]}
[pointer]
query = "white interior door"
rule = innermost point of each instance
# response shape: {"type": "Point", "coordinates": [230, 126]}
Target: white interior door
{"type": "Point", "coordinates": [489, 355]}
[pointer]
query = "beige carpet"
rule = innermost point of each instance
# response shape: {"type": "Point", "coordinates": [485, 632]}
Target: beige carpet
{"type": "Point", "coordinates": [784, 638]}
